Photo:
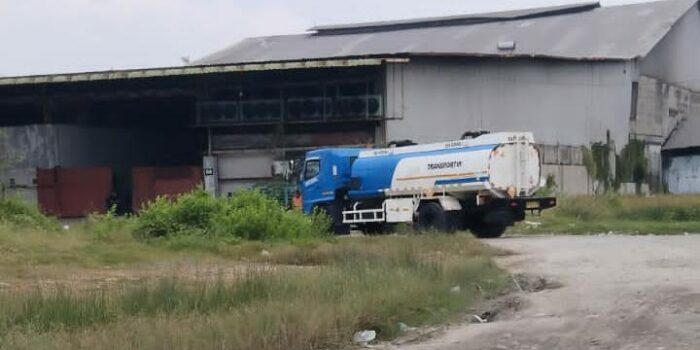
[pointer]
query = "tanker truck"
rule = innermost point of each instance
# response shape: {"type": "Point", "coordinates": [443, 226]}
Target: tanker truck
{"type": "Point", "coordinates": [484, 184]}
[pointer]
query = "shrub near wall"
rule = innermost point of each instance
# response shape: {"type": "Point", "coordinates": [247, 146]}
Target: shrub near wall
{"type": "Point", "coordinates": [248, 215]}
{"type": "Point", "coordinates": [17, 212]}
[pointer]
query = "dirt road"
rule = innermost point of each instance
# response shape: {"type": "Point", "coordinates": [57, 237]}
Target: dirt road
{"type": "Point", "coordinates": [618, 292]}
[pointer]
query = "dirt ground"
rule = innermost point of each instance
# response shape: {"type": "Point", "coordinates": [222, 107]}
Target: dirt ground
{"type": "Point", "coordinates": [614, 292]}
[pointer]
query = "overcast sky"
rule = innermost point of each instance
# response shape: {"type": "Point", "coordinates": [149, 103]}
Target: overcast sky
{"type": "Point", "coordinates": [58, 36]}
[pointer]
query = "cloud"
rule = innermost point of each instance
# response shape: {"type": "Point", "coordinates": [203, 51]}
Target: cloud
{"type": "Point", "coordinates": [78, 35]}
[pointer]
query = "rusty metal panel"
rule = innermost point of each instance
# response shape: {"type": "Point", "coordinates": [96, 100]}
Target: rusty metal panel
{"type": "Point", "coordinates": [84, 190]}
{"type": "Point", "coordinates": [74, 192]}
{"type": "Point", "coordinates": [150, 183]}
{"type": "Point", "coordinates": [47, 192]}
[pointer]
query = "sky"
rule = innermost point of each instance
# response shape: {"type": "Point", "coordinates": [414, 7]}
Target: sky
{"type": "Point", "coordinates": [62, 36]}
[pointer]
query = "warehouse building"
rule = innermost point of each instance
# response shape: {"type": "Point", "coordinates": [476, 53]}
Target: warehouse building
{"type": "Point", "coordinates": [581, 77]}
{"type": "Point", "coordinates": [682, 157]}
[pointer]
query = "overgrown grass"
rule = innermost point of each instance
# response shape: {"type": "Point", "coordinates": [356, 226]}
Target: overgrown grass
{"type": "Point", "coordinates": [336, 289]}
{"type": "Point", "coordinates": [20, 248]}
{"type": "Point", "coordinates": [618, 214]}
{"type": "Point", "coordinates": [16, 212]}
{"type": "Point", "coordinates": [248, 215]}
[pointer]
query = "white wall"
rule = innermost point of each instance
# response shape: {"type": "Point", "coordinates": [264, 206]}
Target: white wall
{"type": "Point", "coordinates": [571, 103]}
{"type": "Point", "coordinates": [683, 174]}
{"type": "Point", "coordinates": [675, 59]}
{"type": "Point", "coordinates": [661, 106]}
{"type": "Point", "coordinates": [244, 165]}
{"type": "Point", "coordinates": [20, 183]}
{"type": "Point", "coordinates": [570, 179]}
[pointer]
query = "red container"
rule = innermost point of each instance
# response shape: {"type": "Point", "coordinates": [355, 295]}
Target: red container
{"type": "Point", "coordinates": [74, 192]}
{"type": "Point", "coordinates": [150, 183]}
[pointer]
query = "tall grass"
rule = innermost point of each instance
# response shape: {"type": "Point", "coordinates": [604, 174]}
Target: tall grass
{"type": "Point", "coordinates": [16, 212]}
{"type": "Point", "coordinates": [335, 290]}
{"type": "Point", "coordinates": [621, 214]}
{"type": "Point", "coordinates": [248, 215]}
{"type": "Point", "coordinates": [43, 311]}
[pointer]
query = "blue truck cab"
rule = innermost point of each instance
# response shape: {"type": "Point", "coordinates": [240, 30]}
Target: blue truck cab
{"type": "Point", "coordinates": [326, 175]}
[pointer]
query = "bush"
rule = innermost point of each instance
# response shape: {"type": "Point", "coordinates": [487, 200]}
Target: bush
{"type": "Point", "coordinates": [109, 227]}
{"type": "Point", "coordinates": [196, 210]}
{"type": "Point", "coordinates": [18, 212]}
{"type": "Point", "coordinates": [248, 215]}
{"type": "Point", "coordinates": [157, 219]}
{"type": "Point", "coordinates": [254, 216]}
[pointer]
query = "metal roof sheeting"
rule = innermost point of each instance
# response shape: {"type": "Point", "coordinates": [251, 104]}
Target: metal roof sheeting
{"type": "Point", "coordinates": [190, 70]}
{"type": "Point", "coordinates": [454, 20]}
{"type": "Point", "coordinates": [582, 32]}
{"type": "Point", "coordinates": [685, 135]}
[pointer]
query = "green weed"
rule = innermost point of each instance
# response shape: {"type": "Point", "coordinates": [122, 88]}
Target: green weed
{"type": "Point", "coordinates": [249, 215]}
{"type": "Point", "coordinates": [341, 287]}
{"type": "Point", "coordinates": [619, 214]}
{"type": "Point", "coordinates": [19, 213]}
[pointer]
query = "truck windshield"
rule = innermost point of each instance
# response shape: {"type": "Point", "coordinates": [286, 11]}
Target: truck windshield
{"type": "Point", "coordinates": [312, 169]}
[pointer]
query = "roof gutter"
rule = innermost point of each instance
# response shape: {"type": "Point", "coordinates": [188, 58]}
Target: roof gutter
{"type": "Point", "coordinates": [192, 70]}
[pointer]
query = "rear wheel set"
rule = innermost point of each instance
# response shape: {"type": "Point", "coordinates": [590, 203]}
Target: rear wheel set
{"type": "Point", "coordinates": [482, 230]}
{"type": "Point", "coordinates": [432, 217]}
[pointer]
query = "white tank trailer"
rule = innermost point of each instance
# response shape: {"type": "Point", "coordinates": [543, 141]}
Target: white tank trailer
{"type": "Point", "coordinates": [484, 184]}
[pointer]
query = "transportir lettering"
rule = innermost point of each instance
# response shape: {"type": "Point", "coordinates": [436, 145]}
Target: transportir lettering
{"type": "Point", "coordinates": [445, 165]}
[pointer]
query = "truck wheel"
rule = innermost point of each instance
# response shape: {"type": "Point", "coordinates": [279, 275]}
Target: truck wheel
{"type": "Point", "coordinates": [431, 216]}
{"type": "Point", "coordinates": [488, 231]}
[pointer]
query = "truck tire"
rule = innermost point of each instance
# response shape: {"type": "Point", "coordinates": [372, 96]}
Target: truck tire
{"type": "Point", "coordinates": [488, 231]}
{"type": "Point", "coordinates": [431, 216]}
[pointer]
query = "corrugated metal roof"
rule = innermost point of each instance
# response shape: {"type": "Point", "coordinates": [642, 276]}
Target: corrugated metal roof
{"type": "Point", "coordinates": [685, 135]}
{"type": "Point", "coordinates": [454, 20]}
{"type": "Point", "coordinates": [579, 33]}
{"type": "Point", "coordinates": [189, 70]}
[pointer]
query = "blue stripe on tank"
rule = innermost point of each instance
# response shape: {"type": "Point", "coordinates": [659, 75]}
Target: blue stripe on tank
{"type": "Point", "coordinates": [462, 181]}
{"type": "Point", "coordinates": [377, 172]}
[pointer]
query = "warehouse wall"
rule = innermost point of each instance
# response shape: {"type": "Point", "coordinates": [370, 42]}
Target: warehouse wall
{"type": "Point", "coordinates": [661, 108]}
{"type": "Point", "coordinates": [29, 146]}
{"type": "Point", "coordinates": [72, 146]}
{"type": "Point", "coordinates": [565, 165]}
{"type": "Point", "coordinates": [683, 174]}
{"type": "Point", "coordinates": [18, 182]}
{"type": "Point", "coordinates": [572, 103]}
{"type": "Point", "coordinates": [51, 145]}
{"type": "Point", "coordinates": [675, 59]}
